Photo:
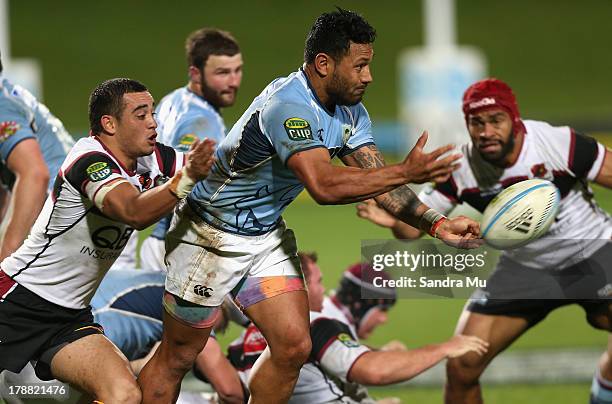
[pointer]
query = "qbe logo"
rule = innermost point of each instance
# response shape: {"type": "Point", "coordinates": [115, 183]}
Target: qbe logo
{"type": "Point", "coordinates": [202, 290]}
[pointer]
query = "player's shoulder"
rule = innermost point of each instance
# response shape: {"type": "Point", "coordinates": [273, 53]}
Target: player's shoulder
{"type": "Point", "coordinates": [292, 89]}
{"type": "Point", "coordinates": [10, 102]}
{"type": "Point", "coordinates": [85, 147]}
{"type": "Point", "coordinates": [545, 130]}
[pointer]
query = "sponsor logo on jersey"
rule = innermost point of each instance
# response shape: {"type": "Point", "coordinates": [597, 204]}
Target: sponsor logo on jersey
{"type": "Point", "coordinates": [8, 129]}
{"type": "Point", "coordinates": [347, 340]}
{"type": "Point", "coordinates": [186, 141]}
{"type": "Point", "coordinates": [98, 171]}
{"type": "Point", "coordinates": [298, 129]}
{"type": "Point", "coordinates": [482, 103]}
{"type": "Point", "coordinates": [202, 290]}
{"type": "Point", "coordinates": [346, 133]}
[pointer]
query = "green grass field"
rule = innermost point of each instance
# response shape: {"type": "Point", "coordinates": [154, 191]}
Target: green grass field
{"type": "Point", "coordinates": [555, 54]}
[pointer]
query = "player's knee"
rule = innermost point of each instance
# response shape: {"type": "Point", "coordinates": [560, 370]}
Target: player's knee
{"type": "Point", "coordinates": [465, 370]}
{"type": "Point", "coordinates": [122, 391]}
{"type": "Point", "coordinates": [294, 348]}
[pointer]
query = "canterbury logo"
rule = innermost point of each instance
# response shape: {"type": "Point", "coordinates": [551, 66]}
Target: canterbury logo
{"type": "Point", "coordinates": [522, 224]}
{"type": "Point", "coordinates": [482, 103]}
{"type": "Point", "coordinates": [202, 290]}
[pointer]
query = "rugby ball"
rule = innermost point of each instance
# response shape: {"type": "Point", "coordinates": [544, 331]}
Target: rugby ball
{"type": "Point", "coordinates": [520, 213]}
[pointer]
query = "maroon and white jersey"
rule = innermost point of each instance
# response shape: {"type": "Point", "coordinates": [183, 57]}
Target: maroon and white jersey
{"type": "Point", "coordinates": [72, 243]}
{"type": "Point", "coordinates": [557, 154]}
{"type": "Point", "coordinates": [323, 379]}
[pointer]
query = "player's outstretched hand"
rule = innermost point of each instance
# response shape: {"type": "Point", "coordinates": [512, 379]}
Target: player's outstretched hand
{"type": "Point", "coordinates": [370, 210]}
{"type": "Point", "coordinates": [460, 232]}
{"type": "Point", "coordinates": [462, 344]}
{"type": "Point", "coordinates": [200, 159]}
{"type": "Point", "coordinates": [423, 167]}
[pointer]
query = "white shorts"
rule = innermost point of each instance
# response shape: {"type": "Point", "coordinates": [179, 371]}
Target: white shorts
{"type": "Point", "coordinates": [205, 263]}
{"type": "Point", "coordinates": [152, 254]}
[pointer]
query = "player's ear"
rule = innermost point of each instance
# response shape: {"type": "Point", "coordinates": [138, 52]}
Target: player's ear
{"type": "Point", "coordinates": [195, 74]}
{"type": "Point", "coordinates": [109, 124]}
{"type": "Point", "coordinates": [323, 64]}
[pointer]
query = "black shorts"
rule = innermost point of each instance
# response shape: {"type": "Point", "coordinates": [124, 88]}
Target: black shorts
{"type": "Point", "coordinates": [32, 328]}
{"type": "Point", "coordinates": [518, 291]}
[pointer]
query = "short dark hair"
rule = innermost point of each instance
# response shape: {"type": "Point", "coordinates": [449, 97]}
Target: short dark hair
{"type": "Point", "coordinates": [204, 42]}
{"type": "Point", "coordinates": [312, 256]}
{"type": "Point", "coordinates": [332, 33]}
{"type": "Point", "coordinates": [107, 99]}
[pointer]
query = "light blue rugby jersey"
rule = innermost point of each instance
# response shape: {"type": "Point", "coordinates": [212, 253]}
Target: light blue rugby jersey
{"type": "Point", "coordinates": [250, 185]}
{"type": "Point", "coordinates": [128, 305]}
{"type": "Point", "coordinates": [182, 117]}
{"type": "Point", "coordinates": [23, 117]}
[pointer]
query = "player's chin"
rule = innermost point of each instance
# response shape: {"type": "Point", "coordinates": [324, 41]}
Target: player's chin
{"type": "Point", "coordinates": [147, 149]}
{"type": "Point", "coordinates": [227, 99]}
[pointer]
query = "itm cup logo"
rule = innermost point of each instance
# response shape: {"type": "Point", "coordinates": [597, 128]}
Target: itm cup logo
{"type": "Point", "coordinates": [98, 171]}
{"type": "Point", "coordinates": [298, 129]}
{"type": "Point", "coordinates": [186, 141]}
{"type": "Point", "coordinates": [347, 340]}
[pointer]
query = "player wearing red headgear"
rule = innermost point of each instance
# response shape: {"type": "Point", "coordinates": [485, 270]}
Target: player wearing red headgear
{"type": "Point", "coordinates": [569, 264]}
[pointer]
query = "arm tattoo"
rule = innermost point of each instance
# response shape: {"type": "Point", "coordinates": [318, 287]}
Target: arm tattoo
{"type": "Point", "coordinates": [365, 157]}
{"type": "Point", "coordinates": [401, 202]}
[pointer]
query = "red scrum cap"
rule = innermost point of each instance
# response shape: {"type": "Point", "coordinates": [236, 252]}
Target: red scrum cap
{"type": "Point", "coordinates": [491, 93]}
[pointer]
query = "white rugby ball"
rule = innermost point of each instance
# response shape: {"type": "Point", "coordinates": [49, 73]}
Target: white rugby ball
{"type": "Point", "coordinates": [520, 213]}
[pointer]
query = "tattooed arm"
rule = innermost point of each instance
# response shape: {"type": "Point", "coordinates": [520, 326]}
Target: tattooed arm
{"type": "Point", "coordinates": [402, 202]}
{"type": "Point", "coordinates": [366, 175]}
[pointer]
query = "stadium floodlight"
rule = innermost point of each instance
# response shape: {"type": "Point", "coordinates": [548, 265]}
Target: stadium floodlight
{"type": "Point", "coordinates": [433, 78]}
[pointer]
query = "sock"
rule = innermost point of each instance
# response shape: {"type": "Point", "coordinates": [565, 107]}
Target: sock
{"type": "Point", "coordinates": [601, 389]}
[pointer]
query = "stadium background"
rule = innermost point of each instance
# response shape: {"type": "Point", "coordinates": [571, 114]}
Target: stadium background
{"type": "Point", "coordinates": [554, 53]}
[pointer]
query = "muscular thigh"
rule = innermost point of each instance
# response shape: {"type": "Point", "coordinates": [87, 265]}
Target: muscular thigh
{"type": "Point", "coordinates": [91, 363]}
{"type": "Point", "coordinates": [499, 330]}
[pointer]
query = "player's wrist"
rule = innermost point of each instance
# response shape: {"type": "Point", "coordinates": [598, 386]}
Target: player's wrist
{"type": "Point", "coordinates": [430, 222]}
{"type": "Point", "coordinates": [181, 184]}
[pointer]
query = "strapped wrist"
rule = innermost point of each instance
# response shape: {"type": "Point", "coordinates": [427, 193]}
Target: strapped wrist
{"type": "Point", "coordinates": [431, 220]}
{"type": "Point", "coordinates": [181, 184]}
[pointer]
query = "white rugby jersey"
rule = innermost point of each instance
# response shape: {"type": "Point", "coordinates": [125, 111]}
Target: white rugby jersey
{"type": "Point", "coordinates": [557, 154]}
{"type": "Point", "coordinates": [335, 348]}
{"type": "Point", "coordinates": [72, 243]}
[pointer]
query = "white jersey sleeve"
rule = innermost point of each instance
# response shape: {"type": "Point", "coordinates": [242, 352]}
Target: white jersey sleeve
{"type": "Point", "coordinates": [334, 347]}
{"type": "Point", "coordinates": [437, 199]}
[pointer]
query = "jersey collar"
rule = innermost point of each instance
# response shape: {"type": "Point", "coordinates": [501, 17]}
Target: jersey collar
{"type": "Point", "coordinates": [314, 94]}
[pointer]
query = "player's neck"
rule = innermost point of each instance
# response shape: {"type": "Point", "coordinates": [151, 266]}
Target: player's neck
{"type": "Point", "coordinates": [109, 143]}
{"type": "Point", "coordinates": [317, 84]}
{"type": "Point", "coordinates": [195, 88]}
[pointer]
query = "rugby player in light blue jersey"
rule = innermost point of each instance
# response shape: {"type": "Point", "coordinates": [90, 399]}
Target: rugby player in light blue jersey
{"type": "Point", "coordinates": [33, 145]}
{"type": "Point", "coordinates": [194, 111]}
{"type": "Point", "coordinates": [229, 236]}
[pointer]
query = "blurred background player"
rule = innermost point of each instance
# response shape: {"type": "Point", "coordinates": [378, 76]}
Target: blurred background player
{"type": "Point", "coordinates": [194, 111]}
{"type": "Point", "coordinates": [229, 236]}
{"type": "Point", "coordinates": [339, 366]}
{"type": "Point", "coordinates": [33, 145]}
{"type": "Point", "coordinates": [525, 286]}
{"type": "Point", "coordinates": [98, 199]}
